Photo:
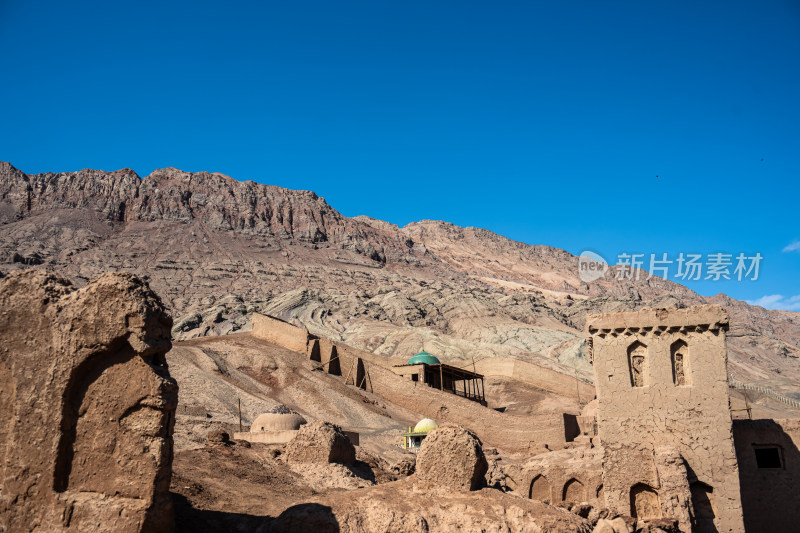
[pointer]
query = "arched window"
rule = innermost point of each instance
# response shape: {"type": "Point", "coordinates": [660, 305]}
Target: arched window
{"type": "Point", "coordinates": [679, 354]}
{"type": "Point", "coordinates": [637, 363]}
{"type": "Point", "coordinates": [540, 489]}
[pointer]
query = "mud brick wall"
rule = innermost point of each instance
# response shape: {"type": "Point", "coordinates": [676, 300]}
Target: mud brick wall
{"type": "Point", "coordinates": [662, 383]}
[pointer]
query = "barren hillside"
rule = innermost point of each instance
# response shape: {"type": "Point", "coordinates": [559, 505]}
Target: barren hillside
{"type": "Point", "coordinates": [216, 249]}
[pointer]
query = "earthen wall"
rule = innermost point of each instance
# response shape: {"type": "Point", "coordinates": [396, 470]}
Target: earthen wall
{"type": "Point", "coordinates": [373, 371]}
{"type": "Point", "coordinates": [649, 400]}
{"type": "Point", "coordinates": [276, 331]}
{"type": "Point", "coordinates": [538, 376]}
{"type": "Point", "coordinates": [770, 492]}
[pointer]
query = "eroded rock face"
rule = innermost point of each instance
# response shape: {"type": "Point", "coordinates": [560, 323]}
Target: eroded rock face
{"type": "Point", "coordinates": [320, 442]}
{"type": "Point", "coordinates": [452, 457]}
{"type": "Point", "coordinates": [218, 437]}
{"type": "Point", "coordinates": [87, 408]}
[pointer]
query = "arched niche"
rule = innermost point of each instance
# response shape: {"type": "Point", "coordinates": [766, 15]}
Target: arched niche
{"type": "Point", "coordinates": [637, 364]}
{"type": "Point", "coordinates": [645, 504]}
{"type": "Point", "coordinates": [540, 489]}
{"type": "Point", "coordinates": [679, 356]}
{"type": "Point", "coordinates": [110, 413]}
{"type": "Point", "coordinates": [574, 491]}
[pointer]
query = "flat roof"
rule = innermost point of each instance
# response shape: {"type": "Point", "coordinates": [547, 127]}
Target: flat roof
{"type": "Point", "coordinates": [464, 374]}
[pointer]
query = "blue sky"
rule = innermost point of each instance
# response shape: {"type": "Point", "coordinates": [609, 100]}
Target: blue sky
{"type": "Point", "coordinates": [617, 127]}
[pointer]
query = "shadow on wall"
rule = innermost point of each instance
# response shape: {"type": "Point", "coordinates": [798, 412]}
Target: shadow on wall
{"type": "Point", "coordinates": [571, 427]}
{"type": "Point", "coordinates": [304, 517]}
{"type": "Point", "coordinates": [363, 470]}
{"type": "Point", "coordinates": [703, 507]}
{"type": "Point", "coordinates": [190, 520]}
{"type": "Point", "coordinates": [769, 473]}
{"type": "Point", "coordinates": [334, 366]}
{"type": "Point", "coordinates": [314, 353]}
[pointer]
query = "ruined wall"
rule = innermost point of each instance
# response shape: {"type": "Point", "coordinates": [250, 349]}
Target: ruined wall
{"type": "Point", "coordinates": [538, 376]}
{"type": "Point", "coordinates": [663, 406]}
{"type": "Point", "coordinates": [87, 408]}
{"type": "Point", "coordinates": [769, 487]}
{"type": "Point", "coordinates": [276, 331]}
{"type": "Point", "coordinates": [372, 373]}
{"type": "Point", "coordinates": [573, 475]}
{"type": "Point", "coordinates": [496, 429]}
{"type": "Point", "coordinates": [508, 432]}
{"type": "Point", "coordinates": [333, 357]}
{"type": "Point", "coordinates": [321, 350]}
{"type": "Point", "coordinates": [409, 371]}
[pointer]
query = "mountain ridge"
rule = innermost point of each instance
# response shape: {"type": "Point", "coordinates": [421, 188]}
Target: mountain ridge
{"type": "Point", "coordinates": [217, 249]}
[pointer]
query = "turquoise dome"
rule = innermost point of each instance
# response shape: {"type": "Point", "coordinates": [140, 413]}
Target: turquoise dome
{"type": "Point", "coordinates": [423, 357]}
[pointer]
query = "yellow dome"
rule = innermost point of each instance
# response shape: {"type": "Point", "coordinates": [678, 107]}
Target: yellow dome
{"type": "Point", "coordinates": [425, 425]}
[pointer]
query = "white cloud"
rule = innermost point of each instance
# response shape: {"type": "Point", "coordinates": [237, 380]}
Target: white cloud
{"type": "Point", "coordinates": [794, 247]}
{"type": "Point", "coordinates": [778, 301]}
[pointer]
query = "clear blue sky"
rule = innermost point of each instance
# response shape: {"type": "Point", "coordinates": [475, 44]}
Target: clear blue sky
{"type": "Point", "coordinates": [544, 122]}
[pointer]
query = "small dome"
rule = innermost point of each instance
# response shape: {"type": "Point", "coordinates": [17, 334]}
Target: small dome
{"type": "Point", "coordinates": [424, 357]}
{"type": "Point", "coordinates": [425, 425]}
{"type": "Point", "coordinates": [277, 422]}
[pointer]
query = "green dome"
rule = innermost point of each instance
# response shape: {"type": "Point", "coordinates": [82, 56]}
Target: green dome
{"type": "Point", "coordinates": [423, 357]}
{"type": "Point", "coordinates": [425, 425]}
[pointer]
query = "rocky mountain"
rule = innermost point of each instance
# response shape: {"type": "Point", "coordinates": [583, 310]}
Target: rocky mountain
{"type": "Point", "coordinates": [217, 249]}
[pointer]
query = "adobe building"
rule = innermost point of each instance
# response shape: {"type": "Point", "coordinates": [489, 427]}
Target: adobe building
{"type": "Point", "coordinates": [769, 473]}
{"type": "Point", "coordinates": [426, 368]}
{"type": "Point", "coordinates": [657, 441]}
{"type": "Point", "coordinates": [412, 440]}
{"type": "Point", "coordinates": [663, 416]}
{"type": "Point", "coordinates": [372, 373]}
{"type": "Point", "coordinates": [279, 425]}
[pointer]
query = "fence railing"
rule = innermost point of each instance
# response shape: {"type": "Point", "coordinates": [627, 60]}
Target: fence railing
{"type": "Point", "coordinates": [764, 390]}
